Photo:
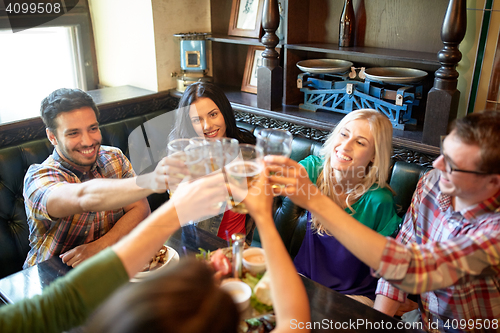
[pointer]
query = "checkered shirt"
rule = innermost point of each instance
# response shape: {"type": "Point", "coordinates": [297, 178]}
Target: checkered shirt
{"type": "Point", "coordinates": [53, 236]}
{"type": "Point", "coordinates": [451, 258]}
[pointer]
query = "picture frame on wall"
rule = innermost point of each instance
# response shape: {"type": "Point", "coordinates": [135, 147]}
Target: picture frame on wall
{"type": "Point", "coordinates": [246, 18]}
{"type": "Point", "coordinates": [253, 62]}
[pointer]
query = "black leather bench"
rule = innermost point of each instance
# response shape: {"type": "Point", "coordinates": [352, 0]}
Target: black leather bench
{"type": "Point", "coordinates": [15, 161]}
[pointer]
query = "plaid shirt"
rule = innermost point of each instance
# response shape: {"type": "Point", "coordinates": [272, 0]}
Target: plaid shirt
{"type": "Point", "coordinates": [451, 258]}
{"type": "Point", "coordinates": [49, 236]}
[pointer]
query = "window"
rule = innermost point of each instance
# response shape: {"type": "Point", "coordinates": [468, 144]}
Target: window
{"type": "Point", "coordinates": [39, 60]}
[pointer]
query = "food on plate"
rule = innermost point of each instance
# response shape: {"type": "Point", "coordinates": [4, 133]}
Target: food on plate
{"type": "Point", "coordinates": [158, 260]}
{"type": "Point", "coordinates": [263, 290]}
{"type": "Point", "coordinates": [256, 304]}
{"type": "Point", "coordinates": [262, 324]}
{"type": "Point", "coordinates": [220, 262]}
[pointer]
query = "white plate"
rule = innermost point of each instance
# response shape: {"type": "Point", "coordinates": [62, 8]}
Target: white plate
{"type": "Point", "coordinates": [172, 258]}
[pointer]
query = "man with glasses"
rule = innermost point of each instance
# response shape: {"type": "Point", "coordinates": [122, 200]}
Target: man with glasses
{"type": "Point", "coordinates": [455, 220]}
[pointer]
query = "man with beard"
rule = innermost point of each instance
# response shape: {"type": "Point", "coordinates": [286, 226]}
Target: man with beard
{"type": "Point", "coordinates": [84, 197]}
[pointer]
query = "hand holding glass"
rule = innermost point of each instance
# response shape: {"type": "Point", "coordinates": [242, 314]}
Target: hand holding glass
{"type": "Point", "coordinates": [242, 172]}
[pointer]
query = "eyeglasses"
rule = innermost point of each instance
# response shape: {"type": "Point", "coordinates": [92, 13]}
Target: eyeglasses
{"type": "Point", "coordinates": [447, 165]}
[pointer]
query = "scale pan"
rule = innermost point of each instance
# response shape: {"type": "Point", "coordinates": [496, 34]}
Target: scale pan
{"type": "Point", "coordinates": [395, 74]}
{"type": "Point", "coordinates": [324, 66]}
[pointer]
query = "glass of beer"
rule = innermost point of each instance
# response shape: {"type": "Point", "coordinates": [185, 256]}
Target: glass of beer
{"type": "Point", "coordinates": [275, 142]}
{"type": "Point", "coordinates": [175, 150]}
{"type": "Point", "coordinates": [242, 172]}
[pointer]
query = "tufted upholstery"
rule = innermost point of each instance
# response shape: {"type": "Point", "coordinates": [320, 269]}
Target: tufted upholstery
{"type": "Point", "coordinates": [291, 220]}
{"type": "Point", "coordinates": [15, 161]}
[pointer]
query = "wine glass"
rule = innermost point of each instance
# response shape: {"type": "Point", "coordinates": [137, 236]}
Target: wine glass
{"type": "Point", "coordinates": [242, 172]}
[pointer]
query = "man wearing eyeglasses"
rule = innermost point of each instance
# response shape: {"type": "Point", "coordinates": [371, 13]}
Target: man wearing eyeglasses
{"type": "Point", "coordinates": [455, 220]}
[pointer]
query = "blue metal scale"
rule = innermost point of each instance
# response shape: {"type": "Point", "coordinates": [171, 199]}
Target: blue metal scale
{"type": "Point", "coordinates": [338, 93]}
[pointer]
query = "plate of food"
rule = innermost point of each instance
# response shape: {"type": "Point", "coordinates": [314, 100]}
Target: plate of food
{"type": "Point", "coordinates": [165, 256]}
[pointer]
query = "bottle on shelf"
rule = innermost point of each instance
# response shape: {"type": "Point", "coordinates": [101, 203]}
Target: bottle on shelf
{"type": "Point", "coordinates": [346, 26]}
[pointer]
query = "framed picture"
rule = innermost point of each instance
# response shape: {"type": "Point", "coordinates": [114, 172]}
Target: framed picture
{"type": "Point", "coordinates": [246, 18]}
{"type": "Point", "coordinates": [254, 61]}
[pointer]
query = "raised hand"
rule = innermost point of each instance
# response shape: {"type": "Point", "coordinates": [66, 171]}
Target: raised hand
{"type": "Point", "coordinates": [200, 198]}
{"type": "Point", "coordinates": [294, 180]}
{"type": "Point", "coordinates": [169, 172]}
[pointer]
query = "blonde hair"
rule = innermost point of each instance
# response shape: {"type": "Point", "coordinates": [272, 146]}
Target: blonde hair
{"type": "Point", "coordinates": [377, 171]}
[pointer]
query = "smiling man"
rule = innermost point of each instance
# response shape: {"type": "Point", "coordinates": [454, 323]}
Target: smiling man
{"type": "Point", "coordinates": [84, 197]}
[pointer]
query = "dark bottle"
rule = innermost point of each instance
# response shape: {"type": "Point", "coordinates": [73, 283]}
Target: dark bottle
{"type": "Point", "coordinates": [346, 27]}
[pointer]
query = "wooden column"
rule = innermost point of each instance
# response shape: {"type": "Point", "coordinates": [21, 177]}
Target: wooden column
{"type": "Point", "coordinates": [270, 75]}
{"type": "Point", "coordinates": [442, 100]}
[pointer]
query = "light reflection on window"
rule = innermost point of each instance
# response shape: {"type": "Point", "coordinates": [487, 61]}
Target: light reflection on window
{"type": "Point", "coordinates": [34, 63]}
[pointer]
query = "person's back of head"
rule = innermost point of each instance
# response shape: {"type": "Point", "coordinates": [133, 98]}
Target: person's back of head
{"type": "Point", "coordinates": [482, 129]}
{"type": "Point", "coordinates": [64, 100]}
{"type": "Point", "coordinates": [181, 299]}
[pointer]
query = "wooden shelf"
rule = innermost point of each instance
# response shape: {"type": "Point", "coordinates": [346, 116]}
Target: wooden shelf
{"type": "Point", "coordinates": [321, 120]}
{"type": "Point", "coordinates": [238, 40]}
{"type": "Point", "coordinates": [234, 40]}
{"type": "Point", "coordinates": [424, 58]}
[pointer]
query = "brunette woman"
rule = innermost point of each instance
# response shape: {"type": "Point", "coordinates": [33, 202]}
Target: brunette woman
{"type": "Point", "coordinates": [205, 111]}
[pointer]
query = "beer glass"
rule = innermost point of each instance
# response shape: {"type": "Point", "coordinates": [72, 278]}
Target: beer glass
{"type": "Point", "coordinates": [275, 142]}
{"type": "Point", "coordinates": [175, 150]}
{"type": "Point", "coordinates": [243, 171]}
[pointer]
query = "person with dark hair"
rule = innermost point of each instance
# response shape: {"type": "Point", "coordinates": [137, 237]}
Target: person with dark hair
{"type": "Point", "coordinates": [448, 249]}
{"type": "Point", "coordinates": [205, 111]}
{"type": "Point", "coordinates": [71, 200]}
{"type": "Point", "coordinates": [69, 300]}
{"type": "Point", "coordinates": [64, 100]}
{"type": "Point", "coordinates": [185, 298]}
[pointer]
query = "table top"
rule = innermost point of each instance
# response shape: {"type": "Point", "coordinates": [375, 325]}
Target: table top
{"type": "Point", "coordinates": [329, 309]}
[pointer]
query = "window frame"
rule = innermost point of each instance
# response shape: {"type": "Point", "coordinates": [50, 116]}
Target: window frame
{"type": "Point", "coordinates": [78, 17]}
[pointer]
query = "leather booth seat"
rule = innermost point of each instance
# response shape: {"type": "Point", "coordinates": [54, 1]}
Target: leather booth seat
{"type": "Point", "coordinates": [15, 161]}
{"type": "Point", "coordinates": [291, 220]}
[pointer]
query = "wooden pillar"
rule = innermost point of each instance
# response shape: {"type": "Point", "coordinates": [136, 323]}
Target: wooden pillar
{"type": "Point", "coordinates": [270, 75]}
{"type": "Point", "coordinates": [442, 100]}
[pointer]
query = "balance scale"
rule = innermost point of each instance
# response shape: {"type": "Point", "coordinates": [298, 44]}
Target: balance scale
{"type": "Point", "coordinates": [335, 85]}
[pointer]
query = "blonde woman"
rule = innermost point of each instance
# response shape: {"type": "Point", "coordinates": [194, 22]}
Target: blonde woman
{"type": "Point", "coordinates": [353, 172]}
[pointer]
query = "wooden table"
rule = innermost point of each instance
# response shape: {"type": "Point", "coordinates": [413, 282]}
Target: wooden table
{"type": "Point", "coordinates": [329, 309]}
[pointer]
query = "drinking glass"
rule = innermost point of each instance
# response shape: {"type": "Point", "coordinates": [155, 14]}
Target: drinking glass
{"type": "Point", "coordinates": [275, 142]}
{"type": "Point", "coordinates": [175, 150]}
{"type": "Point", "coordinates": [204, 159]}
{"type": "Point", "coordinates": [243, 171]}
{"type": "Point", "coordinates": [230, 149]}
